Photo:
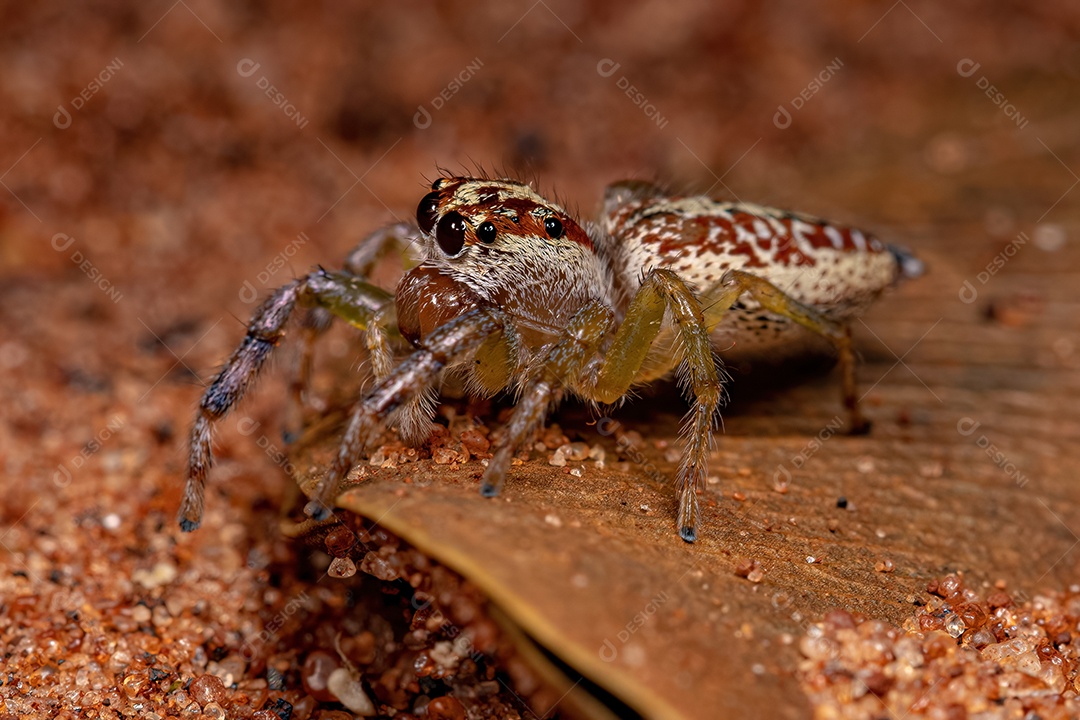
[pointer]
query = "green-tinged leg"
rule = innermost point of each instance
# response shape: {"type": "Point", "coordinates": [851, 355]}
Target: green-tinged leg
{"type": "Point", "coordinates": [561, 367]}
{"type": "Point", "coordinates": [359, 303]}
{"type": "Point", "coordinates": [663, 290]}
{"type": "Point", "coordinates": [340, 293]}
{"type": "Point", "coordinates": [449, 344]}
{"type": "Point", "coordinates": [493, 363]}
{"type": "Point", "coordinates": [314, 323]}
{"type": "Point", "coordinates": [719, 299]}
{"type": "Point", "coordinates": [399, 237]}
{"type": "Point", "coordinates": [360, 263]}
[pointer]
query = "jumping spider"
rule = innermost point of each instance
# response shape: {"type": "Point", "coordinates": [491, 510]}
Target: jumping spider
{"type": "Point", "coordinates": [513, 291]}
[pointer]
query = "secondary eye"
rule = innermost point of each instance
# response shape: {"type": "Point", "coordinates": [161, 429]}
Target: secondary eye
{"type": "Point", "coordinates": [554, 228]}
{"type": "Point", "coordinates": [426, 211]}
{"type": "Point", "coordinates": [450, 233]}
{"type": "Point", "coordinates": [486, 232]}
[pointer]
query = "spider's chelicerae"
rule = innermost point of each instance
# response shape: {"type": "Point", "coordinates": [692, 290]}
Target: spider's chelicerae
{"type": "Point", "coordinates": [512, 290]}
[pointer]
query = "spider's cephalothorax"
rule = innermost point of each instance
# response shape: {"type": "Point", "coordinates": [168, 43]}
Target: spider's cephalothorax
{"type": "Point", "coordinates": [499, 244]}
{"type": "Point", "coordinates": [512, 291]}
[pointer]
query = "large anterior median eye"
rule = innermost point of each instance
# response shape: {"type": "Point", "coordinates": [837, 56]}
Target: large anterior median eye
{"type": "Point", "coordinates": [426, 211]}
{"type": "Point", "coordinates": [554, 228]}
{"type": "Point", "coordinates": [450, 234]}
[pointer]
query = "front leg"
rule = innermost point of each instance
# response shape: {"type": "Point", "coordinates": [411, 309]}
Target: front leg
{"type": "Point", "coordinates": [399, 238]}
{"type": "Point", "coordinates": [560, 367]}
{"type": "Point", "coordinates": [662, 290]}
{"type": "Point", "coordinates": [567, 365]}
{"type": "Point", "coordinates": [341, 294]}
{"type": "Point", "coordinates": [451, 343]}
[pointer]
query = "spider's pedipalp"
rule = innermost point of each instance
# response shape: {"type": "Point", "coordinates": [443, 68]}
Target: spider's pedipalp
{"type": "Point", "coordinates": [449, 344]}
{"type": "Point", "coordinates": [560, 367]}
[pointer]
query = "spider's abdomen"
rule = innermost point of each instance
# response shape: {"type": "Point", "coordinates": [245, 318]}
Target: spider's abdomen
{"type": "Point", "coordinates": [834, 268]}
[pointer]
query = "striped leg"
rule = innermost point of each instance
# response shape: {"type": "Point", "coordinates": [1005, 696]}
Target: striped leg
{"type": "Point", "coordinates": [451, 343]}
{"type": "Point", "coordinates": [342, 294]}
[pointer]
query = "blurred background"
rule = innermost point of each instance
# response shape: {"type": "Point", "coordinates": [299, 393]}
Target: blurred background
{"type": "Point", "coordinates": [197, 136]}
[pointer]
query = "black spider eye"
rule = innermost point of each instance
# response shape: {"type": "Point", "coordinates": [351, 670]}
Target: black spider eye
{"type": "Point", "coordinates": [554, 228]}
{"type": "Point", "coordinates": [426, 211]}
{"type": "Point", "coordinates": [450, 233]}
{"type": "Point", "coordinates": [486, 232]}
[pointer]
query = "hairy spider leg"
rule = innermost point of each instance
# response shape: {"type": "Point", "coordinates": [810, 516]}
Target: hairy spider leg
{"type": "Point", "coordinates": [360, 262]}
{"type": "Point", "coordinates": [346, 296]}
{"type": "Point", "coordinates": [735, 283]}
{"type": "Point", "coordinates": [561, 366]}
{"type": "Point", "coordinates": [608, 379]}
{"type": "Point", "coordinates": [313, 324]}
{"type": "Point", "coordinates": [662, 290]}
{"type": "Point", "coordinates": [449, 344]}
{"type": "Point", "coordinates": [401, 237]}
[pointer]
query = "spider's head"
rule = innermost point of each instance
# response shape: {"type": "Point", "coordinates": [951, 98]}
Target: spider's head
{"type": "Point", "coordinates": [494, 242]}
{"type": "Point", "coordinates": [467, 217]}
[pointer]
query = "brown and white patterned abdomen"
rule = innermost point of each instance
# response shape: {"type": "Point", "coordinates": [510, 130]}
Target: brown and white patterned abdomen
{"type": "Point", "coordinates": [837, 270]}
